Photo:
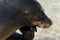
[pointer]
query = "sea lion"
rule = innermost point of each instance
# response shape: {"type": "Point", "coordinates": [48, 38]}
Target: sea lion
{"type": "Point", "coordinates": [15, 14]}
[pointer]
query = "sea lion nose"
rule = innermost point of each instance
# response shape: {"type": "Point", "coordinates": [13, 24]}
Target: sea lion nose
{"type": "Point", "coordinates": [47, 24]}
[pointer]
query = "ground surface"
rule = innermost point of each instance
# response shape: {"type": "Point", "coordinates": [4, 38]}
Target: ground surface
{"type": "Point", "coordinates": [52, 10]}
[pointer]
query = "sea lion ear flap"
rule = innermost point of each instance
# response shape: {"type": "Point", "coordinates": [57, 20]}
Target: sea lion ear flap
{"type": "Point", "coordinates": [25, 11]}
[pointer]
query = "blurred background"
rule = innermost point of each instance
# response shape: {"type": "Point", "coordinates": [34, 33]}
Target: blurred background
{"type": "Point", "coordinates": [52, 10]}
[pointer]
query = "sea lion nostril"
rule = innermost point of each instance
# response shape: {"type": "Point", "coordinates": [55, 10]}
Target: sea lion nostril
{"type": "Point", "coordinates": [50, 22]}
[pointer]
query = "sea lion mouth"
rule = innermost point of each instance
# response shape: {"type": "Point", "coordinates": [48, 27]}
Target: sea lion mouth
{"type": "Point", "coordinates": [41, 25]}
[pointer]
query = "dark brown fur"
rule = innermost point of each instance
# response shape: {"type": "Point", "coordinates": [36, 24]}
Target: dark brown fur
{"type": "Point", "coordinates": [15, 14]}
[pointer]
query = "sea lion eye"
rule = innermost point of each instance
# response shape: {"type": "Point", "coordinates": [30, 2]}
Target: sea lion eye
{"type": "Point", "coordinates": [25, 12]}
